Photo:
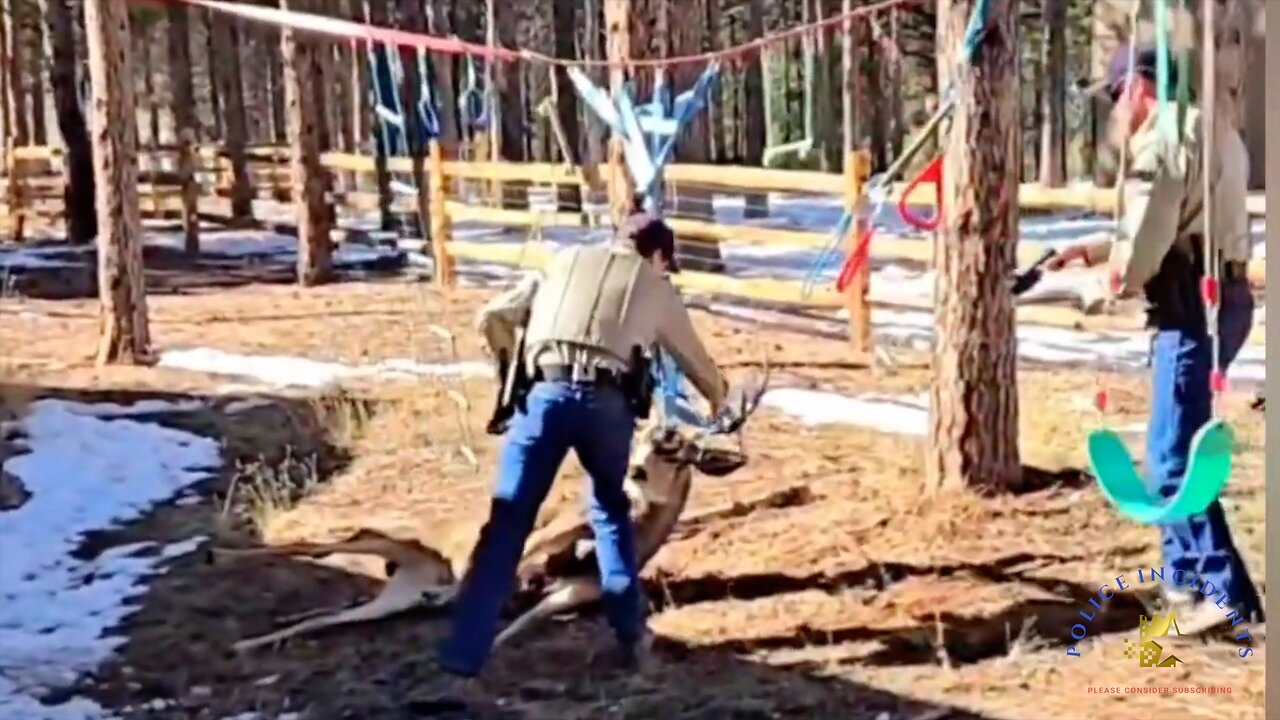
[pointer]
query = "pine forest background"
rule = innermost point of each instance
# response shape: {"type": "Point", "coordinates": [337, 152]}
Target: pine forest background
{"type": "Point", "coordinates": [235, 71]}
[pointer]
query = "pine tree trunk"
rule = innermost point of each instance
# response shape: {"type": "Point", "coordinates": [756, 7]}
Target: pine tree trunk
{"type": "Point", "coordinates": [226, 59]}
{"type": "Point", "coordinates": [82, 217]}
{"type": "Point", "coordinates": [213, 69]}
{"type": "Point", "coordinates": [124, 335]}
{"type": "Point", "coordinates": [1053, 110]}
{"type": "Point", "coordinates": [590, 47]}
{"type": "Point", "coordinates": [826, 145]}
{"type": "Point", "coordinates": [379, 13]}
{"type": "Point", "coordinates": [411, 18]}
{"type": "Point", "coordinates": [257, 47]}
{"type": "Point", "coordinates": [850, 71]}
{"type": "Point", "coordinates": [315, 250]}
{"type": "Point", "coordinates": [5, 100]}
{"type": "Point", "coordinates": [564, 21]}
{"type": "Point", "coordinates": [537, 33]}
{"type": "Point", "coordinates": [686, 29]}
{"type": "Point", "coordinates": [275, 85]}
{"type": "Point", "coordinates": [973, 431]}
{"type": "Point", "coordinates": [182, 97]}
{"type": "Point", "coordinates": [326, 57]}
{"type": "Point", "coordinates": [897, 128]}
{"type": "Point", "coordinates": [511, 103]}
{"type": "Point", "coordinates": [441, 24]}
{"type": "Point", "coordinates": [874, 98]}
{"type": "Point", "coordinates": [715, 102]}
{"type": "Point", "coordinates": [142, 38]}
{"type": "Point", "coordinates": [14, 58]}
{"type": "Point", "coordinates": [35, 35]}
{"type": "Point", "coordinates": [755, 133]}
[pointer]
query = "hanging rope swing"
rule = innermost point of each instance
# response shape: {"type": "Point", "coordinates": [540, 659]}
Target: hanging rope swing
{"type": "Point", "coordinates": [1209, 457]}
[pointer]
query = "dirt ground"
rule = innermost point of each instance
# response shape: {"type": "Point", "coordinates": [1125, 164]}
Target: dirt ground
{"type": "Point", "coordinates": [871, 596]}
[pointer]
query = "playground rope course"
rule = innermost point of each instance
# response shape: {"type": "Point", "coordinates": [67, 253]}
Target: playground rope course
{"type": "Point", "coordinates": [453, 45]}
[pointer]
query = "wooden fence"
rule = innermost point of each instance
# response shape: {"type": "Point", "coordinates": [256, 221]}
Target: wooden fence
{"type": "Point", "coordinates": [33, 181]}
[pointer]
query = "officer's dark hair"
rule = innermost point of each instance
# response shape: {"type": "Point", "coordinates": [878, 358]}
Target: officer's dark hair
{"type": "Point", "coordinates": [649, 236]}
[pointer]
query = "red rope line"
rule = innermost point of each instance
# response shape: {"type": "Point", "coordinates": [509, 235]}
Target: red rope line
{"type": "Point", "coordinates": [364, 32]}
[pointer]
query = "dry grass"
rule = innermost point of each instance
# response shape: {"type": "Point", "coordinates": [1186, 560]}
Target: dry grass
{"type": "Point", "coordinates": [868, 596]}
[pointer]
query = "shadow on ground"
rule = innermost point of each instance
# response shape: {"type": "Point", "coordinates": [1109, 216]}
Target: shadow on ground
{"type": "Point", "coordinates": [178, 662]}
{"type": "Point", "coordinates": [68, 272]}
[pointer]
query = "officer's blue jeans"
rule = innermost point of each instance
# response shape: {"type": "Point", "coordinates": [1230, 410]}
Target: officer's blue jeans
{"type": "Point", "coordinates": [1201, 545]}
{"type": "Point", "coordinates": [597, 424]}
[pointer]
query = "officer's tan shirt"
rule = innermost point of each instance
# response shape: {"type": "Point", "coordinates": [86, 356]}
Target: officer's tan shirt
{"type": "Point", "coordinates": [1163, 197]}
{"type": "Point", "coordinates": [654, 314]}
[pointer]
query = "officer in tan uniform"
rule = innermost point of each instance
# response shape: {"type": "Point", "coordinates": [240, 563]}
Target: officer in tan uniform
{"type": "Point", "coordinates": [1160, 254]}
{"type": "Point", "coordinates": [583, 318]}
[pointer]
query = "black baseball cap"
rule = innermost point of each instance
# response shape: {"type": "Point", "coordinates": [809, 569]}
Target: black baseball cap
{"type": "Point", "coordinates": [1145, 58]}
{"type": "Point", "coordinates": [649, 235]}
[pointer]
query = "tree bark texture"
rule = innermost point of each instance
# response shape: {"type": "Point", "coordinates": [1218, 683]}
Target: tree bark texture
{"type": "Point", "coordinates": [618, 44]}
{"type": "Point", "coordinates": [225, 66]}
{"type": "Point", "coordinates": [257, 44]}
{"type": "Point", "coordinates": [124, 335]}
{"type": "Point", "coordinates": [685, 25]}
{"type": "Point", "coordinates": [410, 17]}
{"type": "Point", "coordinates": [379, 13]}
{"type": "Point", "coordinates": [5, 116]}
{"type": "Point", "coordinates": [591, 47]}
{"type": "Point", "coordinates": [973, 433]}
{"type": "Point", "coordinates": [564, 20]}
{"type": "Point", "coordinates": [79, 191]}
{"type": "Point", "coordinates": [213, 68]}
{"type": "Point", "coordinates": [17, 121]}
{"type": "Point", "coordinates": [182, 99]}
{"type": "Point", "coordinates": [510, 105]}
{"type": "Point", "coordinates": [850, 71]}
{"type": "Point", "coordinates": [755, 132]}
{"type": "Point", "coordinates": [442, 64]}
{"type": "Point", "coordinates": [1053, 107]}
{"type": "Point", "coordinates": [275, 85]}
{"type": "Point", "coordinates": [35, 37]}
{"type": "Point", "coordinates": [315, 250]}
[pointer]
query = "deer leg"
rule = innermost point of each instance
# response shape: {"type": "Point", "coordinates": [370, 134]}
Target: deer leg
{"type": "Point", "coordinates": [405, 590]}
{"type": "Point", "coordinates": [572, 594]}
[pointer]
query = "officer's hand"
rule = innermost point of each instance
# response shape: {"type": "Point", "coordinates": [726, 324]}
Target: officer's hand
{"type": "Point", "coordinates": [1064, 258]}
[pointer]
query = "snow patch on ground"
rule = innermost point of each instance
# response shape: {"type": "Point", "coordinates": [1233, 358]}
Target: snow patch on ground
{"type": "Point", "coordinates": [898, 414]}
{"type": "Point", "coordinates": [86, 470]}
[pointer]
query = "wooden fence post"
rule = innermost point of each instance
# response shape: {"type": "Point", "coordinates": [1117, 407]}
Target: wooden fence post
{"type": "Point", "coordinates": [190, 190]}
{"type": "Point", "coordinates": [439, 234]}
{"type": "Point", "coordinates": [16, 209]}
{"type": "Point", "coordinates": [857, 171]}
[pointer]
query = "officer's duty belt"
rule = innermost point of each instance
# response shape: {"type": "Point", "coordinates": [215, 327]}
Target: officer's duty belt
{"type": "Point", "coordinates": [565, 373]}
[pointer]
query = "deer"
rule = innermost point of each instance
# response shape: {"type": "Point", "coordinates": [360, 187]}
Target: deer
{"type": "Point", "coordinates": [558, 567]}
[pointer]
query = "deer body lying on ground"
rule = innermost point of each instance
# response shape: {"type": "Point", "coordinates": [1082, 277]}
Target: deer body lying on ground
{"type": "Point", "coordinates": [559, 564]}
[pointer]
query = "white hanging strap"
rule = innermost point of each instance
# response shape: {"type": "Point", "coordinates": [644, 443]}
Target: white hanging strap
{"type": "Point", "coordinates": [1210, 286]}
{"type": "Point", "coordinates": [1101, 396]}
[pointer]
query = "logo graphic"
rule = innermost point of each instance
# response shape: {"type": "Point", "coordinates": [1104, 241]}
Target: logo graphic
{"type": "Point", "coordinates": [1148, 651]}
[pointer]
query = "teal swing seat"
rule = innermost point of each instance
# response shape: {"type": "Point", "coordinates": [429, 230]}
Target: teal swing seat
{"type": "Point", "coordinates": [1208, 469]}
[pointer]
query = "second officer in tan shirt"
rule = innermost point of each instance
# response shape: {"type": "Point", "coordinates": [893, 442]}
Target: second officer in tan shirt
{"type": "Point", "coordinates": [582, 318]}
